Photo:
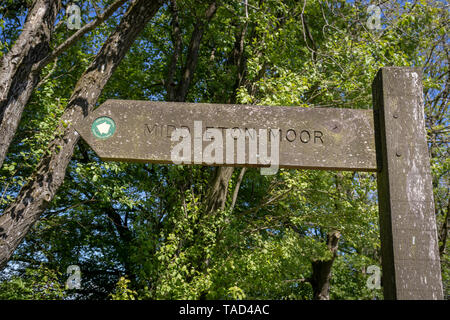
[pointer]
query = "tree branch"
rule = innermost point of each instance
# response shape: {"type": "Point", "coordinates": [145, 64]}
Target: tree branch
{"type": "Point", "coordinates": [177, 42]}
{"type": "Point", "coordinates": [35, 196]}
{"type": "Point", "coordinates": [236, 188]}
{"type": "Point", "coordinates": [79, 33]}
{"type": "Point", "coordinates": [193, 51]}
{"type": "Point", "coordinates": [443, 234]}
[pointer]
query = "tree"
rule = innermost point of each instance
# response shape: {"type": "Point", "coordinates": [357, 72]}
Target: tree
{"type": "Point", "coordinates": [21, 66]}
{"type": "Point", "coordinates": [35, 196]}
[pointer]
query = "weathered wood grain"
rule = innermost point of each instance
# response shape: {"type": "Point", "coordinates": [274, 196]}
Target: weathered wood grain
{"type": "Point", "coordinates": [410, 256]}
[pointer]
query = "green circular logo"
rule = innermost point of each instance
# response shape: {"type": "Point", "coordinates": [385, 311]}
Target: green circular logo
{"type": "Point", "coordinates": [103, 127]}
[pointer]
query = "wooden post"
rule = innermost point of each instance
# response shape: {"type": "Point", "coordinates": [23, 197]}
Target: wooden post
{"type": "Point", "coordinates": [410, 256]}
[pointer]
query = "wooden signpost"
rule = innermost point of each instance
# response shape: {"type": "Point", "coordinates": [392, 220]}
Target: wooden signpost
{"type": "Point", "coordinates": [322, 138]}
{"type": "Point", "coordinates": [389, 140]}
{"type": "Point", "coordinates": [410, 255]}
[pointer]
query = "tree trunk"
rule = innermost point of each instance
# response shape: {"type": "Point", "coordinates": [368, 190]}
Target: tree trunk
{"type": "Point", "coordinates": [217, 195]}
{"type": "Point", "coordinates": [21, 67]}
{"type": "Point", "coordinates": [180, 92]}
{"type": "Point", "coordinates": [18, 76]}
{"type": "Point", "coordinates": [321, 275]}
{"type": "Point", "coordinates": [34, 197]}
